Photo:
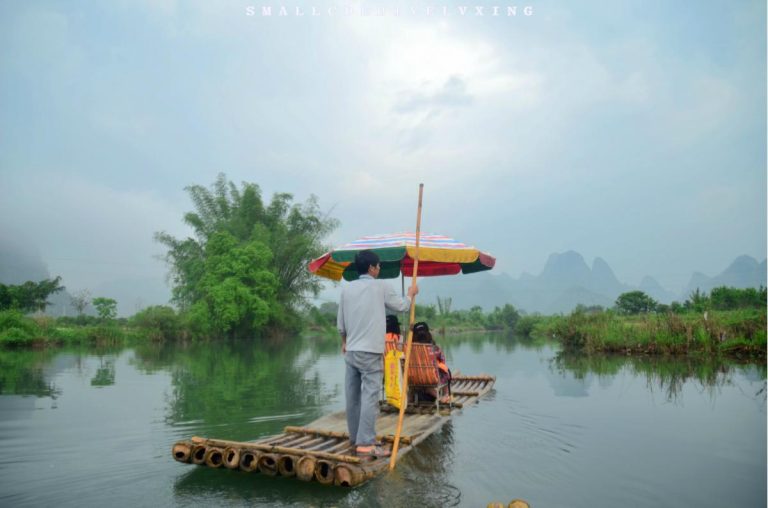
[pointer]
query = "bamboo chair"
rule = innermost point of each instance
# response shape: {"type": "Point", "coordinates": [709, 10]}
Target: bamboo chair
{"type": "Point", "coordinates": [423, 371]}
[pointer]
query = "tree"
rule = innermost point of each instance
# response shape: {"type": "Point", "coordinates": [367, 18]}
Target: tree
{"type": "Point", "coordinates": [697, 301]}
{"type": "Point", "coordinates": [80, 301]}
{"type": "Point", "coordinates": [232, 226]}
{"type": "Point", "coordinates": [635, 302]}
{"type": "Point", "coordinates": [426, 312]}
{"type": "Point", "coordinates": [106, 307]}
{"type": "Point", "coordinates": [444, 305]}
{"type": "Point", "coordinates": [29, 296]}
{"type": "Point", "coordinates": [504, 317]}
{"type": "Point", "coordinates": [728, 298]}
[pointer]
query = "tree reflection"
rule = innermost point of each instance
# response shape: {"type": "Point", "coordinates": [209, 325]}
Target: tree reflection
{"type": "Point", "coordinates": [667, 374]}
{"type": "Point", "coordinates": [239, 384]}
{"type": "Point", "coordinates": [105, 373]}
{"type": "Point", "coordinates": [23, 373]}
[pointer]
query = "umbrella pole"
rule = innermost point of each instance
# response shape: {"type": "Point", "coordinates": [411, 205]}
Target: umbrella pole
{"type": "Point", "coordinates": [404, 393]}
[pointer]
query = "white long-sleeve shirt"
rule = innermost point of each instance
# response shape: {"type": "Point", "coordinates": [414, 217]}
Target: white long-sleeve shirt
{"type": "Point", "coordinates": [362, 313]}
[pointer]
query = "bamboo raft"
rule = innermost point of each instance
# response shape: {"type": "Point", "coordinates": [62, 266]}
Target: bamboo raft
{"type": "Point", "coordinates": [321, 450]}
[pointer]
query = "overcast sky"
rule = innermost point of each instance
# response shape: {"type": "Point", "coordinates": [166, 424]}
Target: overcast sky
{"type": "Point", "coordinates": [630, 130]}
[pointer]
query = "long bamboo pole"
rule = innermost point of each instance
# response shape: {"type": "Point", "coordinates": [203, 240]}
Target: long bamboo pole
{"type": "Point", "coordinates": [404, 394]}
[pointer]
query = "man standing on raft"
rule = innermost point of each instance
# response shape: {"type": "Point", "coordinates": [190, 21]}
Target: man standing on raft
{"type": "Point", "coordinates": [362, 324]}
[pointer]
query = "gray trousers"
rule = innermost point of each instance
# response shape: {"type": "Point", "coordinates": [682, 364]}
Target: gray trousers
{"type": "Point", "coordinates": [363, 382]}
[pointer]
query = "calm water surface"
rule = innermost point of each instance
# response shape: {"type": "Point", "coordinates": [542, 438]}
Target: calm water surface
{"type": "Point", "coordinates": [95, 428]}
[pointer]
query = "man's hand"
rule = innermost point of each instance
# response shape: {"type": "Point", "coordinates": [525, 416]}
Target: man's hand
{"type": "Point", "coordinates": [413, 290]}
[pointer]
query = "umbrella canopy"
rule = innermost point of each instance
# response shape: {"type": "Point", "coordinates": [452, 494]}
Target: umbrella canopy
{"type": "Point", "coordinates": [438, 255]}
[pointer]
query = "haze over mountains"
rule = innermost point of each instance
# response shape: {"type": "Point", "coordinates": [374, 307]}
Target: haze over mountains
{"type": "Point", "coordinates": [566, 281]}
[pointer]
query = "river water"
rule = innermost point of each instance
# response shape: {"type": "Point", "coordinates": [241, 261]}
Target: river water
{"type": "Point", "coordinates": [94, 427]}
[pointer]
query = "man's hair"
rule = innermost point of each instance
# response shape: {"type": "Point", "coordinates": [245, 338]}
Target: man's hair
{"type": "Point", "coordinates": [365, 259]}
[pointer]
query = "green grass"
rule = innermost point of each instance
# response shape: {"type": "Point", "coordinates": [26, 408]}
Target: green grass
{"type": "Point", "coordinates": [737, 332]}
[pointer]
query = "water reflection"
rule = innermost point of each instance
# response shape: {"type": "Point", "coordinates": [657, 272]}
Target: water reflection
{"type": "Point", "coordinates": [24, 373]}
{"type": "Point", "coordinates": [252, 388]}
{"type": "Point", "coordinates": [105, 373]}
{"type": "Point", "coordinates": [667, 375]}
{"type": "Point", "coordinates": [558, 430]}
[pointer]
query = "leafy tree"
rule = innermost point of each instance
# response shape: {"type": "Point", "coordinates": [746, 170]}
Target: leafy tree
{"type": "Point", "coordinates": [504, 317]}
{"type": "Point", "coordinates": [426, 312]}
{"type": "Point", "coordinates": [635, 302]}
{"type": "Point", "coordinates": [233, 227]}
{"type": "Point", "coordinates": [105, 307]}
{"type": "Point", "coordinates": [29, 296]}
{"type": "Point", "coordinates": [588, 309]}
{"type": "Point", "coordinates": [729, 298]}
{"type": "Point", "coordinates": [237, 290]}
{"type": "Point", "coordinates": [159, 321]}
{"type": "Point", "coordinates": [697, 301]}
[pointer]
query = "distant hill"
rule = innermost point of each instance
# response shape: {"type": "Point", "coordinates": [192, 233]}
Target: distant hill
{"type": "Point", "coordinates": [567, 281]}
{"type": "Point", "coordinates": [744, 272]}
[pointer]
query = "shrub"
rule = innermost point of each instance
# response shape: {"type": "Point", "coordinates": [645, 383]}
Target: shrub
{"type": "Point", "coordinates": [159, 322]}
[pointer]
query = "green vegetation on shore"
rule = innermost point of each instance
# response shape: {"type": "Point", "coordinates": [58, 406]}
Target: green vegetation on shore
{"type": "Point", "coordinates": [727, 321]}
{"type": "Point", "coordinates": [244, 275]}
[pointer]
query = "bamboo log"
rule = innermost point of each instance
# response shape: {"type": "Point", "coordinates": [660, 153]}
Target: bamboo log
{"type": "Point", "coordinates": [347, 475]}
{"type": "Point", "coordinates": [268, 464]}
{"type": "Point", "coordinates": [305, 468]}
{"type": "Point", "coordinates": [214, 457]}
{"type": "Point", "coordinates": [198, 454]}
{"type": "Point", "coordinates": [286, 465]}
{"type": "Point", "coordinates": [280, 449]}
{"type": "Point", "coordinates": [409, 341]}
{"type": "Point", "coordinates": [249, 460]}
{"type": "Point", "coordinates": [182, 451]}
{"type": "Point", "coordinates": [232, 457]}
{"type": "Point", "coordinates": [455, 379]}
{"type": "Point", "coordinates": [343, 445]}
{"type": "Point", "coordinates": [465, 394]}
{"type": "Point", "coordinates": [324, 471]}
{"type": "Point", "coordinates": [341, 435]}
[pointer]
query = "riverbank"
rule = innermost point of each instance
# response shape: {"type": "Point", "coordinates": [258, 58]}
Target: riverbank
{"type": "Point", "coordinates": [734, 333]}
{"type": "Point", "coordinates": [18, 331]}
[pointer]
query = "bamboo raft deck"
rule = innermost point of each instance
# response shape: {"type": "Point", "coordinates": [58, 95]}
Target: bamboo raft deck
{"type": "Point", "coordinates": [321, 450]}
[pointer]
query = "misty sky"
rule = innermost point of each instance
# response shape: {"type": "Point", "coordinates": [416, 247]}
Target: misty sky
{"type": "Point", "coordinates": [630, 130]}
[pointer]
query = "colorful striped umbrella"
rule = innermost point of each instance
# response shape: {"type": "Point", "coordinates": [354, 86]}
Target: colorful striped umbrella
{"type": "Point", "coordinates": [438, 255]}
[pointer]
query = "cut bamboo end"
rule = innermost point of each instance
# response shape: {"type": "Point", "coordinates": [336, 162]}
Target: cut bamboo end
{"type": "Point", "coordinates": [198, 454]}
{"type": "Point", "coordinates": [214, 457]}
{"type": "Point", "coordinates": [324, 471]}
{"type": "Point", "coordinates": [286, 465]}
{"type": "Point", "coordinates": [249, 460]}
{"type": "Point", "coordinates": [182, 451]}
{"type": "Point", "coordinates": [232, 457]}
{"type": "Point", "coordinates": [347, 475]}
{"type": "Point", "coordinates": [268, 464]}
{"type": "Point", "coordinates": [305, 468]}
